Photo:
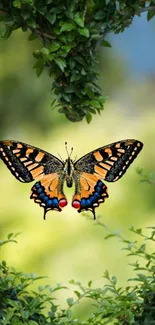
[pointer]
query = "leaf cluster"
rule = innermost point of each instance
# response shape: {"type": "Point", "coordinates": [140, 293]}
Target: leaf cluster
{"type": "Point", "coordinates": [134, 304]}
{"type": "Point", "coordinates": [70, 33]}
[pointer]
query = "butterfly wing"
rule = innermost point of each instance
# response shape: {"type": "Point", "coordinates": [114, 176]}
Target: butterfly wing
{"type": "Point", "coordinates": [108, 163]}
{"type": "Point", "coordinates": [90, 191]}
{"type": "Point", "coordinates": [28, 163]}
{"type": "Point", "coordinates": [48, 192]}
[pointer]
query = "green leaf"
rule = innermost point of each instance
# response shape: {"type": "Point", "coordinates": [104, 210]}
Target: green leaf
{"type": "Point", "coordinates": [78, 18]}
{"type": "Point", "coordinates": [39, 66]}
{"type": "Point", "coordinates": [10, 235]}
{"type": "Point", "coordinates": [88, 117]}
{"type": "Point", "coordinates": [84, 31]}
{"type": "Point", "coordinates": [32, 37]}
{"type": "Point", "coordinates": [69, 314]}
{"type": "Point", "coordinates": [17, 3]}
{"type": "Point", "coordinates": [70, 37]}
{"type": "Point", "coordinates": [142, 277]}
{"type": "Point", "coordinates": [61, 63]}
{"type": "Point", "coordinates": [31, 22]}
{"type": "Point", "coordinates": [105, 43]}
{"type": "Point", "coordinates": [150, 14]}
{"type": "Point", "coordinates": [109, 236]}
{"type": "Point", "coordinates": [54, 47]}
{"type": "Point", "coordinates": [70, 301]}
{"type": "Point", "coordinates": [7, 32]}
{"type": "Point", "coordinates": [32, 322]}
{"type": "Point", "coordinates": [89, 284]}
{"type": "Point", "coordinates": [77, 293]}
{"type": "Point", "coordinates": [45, 51]}
{"type": "Point", "coordinates": [67, 27]}
{"type": "Point", "coordinates": [106, 274]}
{"type": "Point", "coordinates": [51, 18]}
{"type": "Point", "coordinates": [25, 314]}
{"type": "Point", "coordinates": [114, 280]}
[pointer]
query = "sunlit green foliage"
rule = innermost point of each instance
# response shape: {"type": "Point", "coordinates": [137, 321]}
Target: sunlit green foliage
{"type": "Point", "coordinates": [71, 33]}
{"type": "Point", "coordinates": [134, 304]}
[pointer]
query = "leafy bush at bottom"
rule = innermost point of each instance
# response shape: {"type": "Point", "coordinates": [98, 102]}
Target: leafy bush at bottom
{"type": "Point", "coordinates": [134, 304]}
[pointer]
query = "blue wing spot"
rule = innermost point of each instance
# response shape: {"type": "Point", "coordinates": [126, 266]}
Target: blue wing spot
{"type": "Point", "coordinates": [45, 198]}
{"type": "Point", "coordinates": [55, 202]}
{"type": "Point", "coordinates": [37, 185]}
{"type": "Point", "coordinates": [39, 190]}
{"type": "Point", "coordinates": [92, 199]}
{"type": "Point", "coordinates": [42, 196]}
{"type": "Point", "coordinates": [49, 203]}
{"type": "Point", "coordinates": [97, 195]}
{"type": "Point", "coordinates": [83, 203]}
{"type": "Point", "coordinates": [98, 189]}
{"type": "Point", "coordinates": [88, 203]}
{"type": "Point", "coordinates": [99, 183]}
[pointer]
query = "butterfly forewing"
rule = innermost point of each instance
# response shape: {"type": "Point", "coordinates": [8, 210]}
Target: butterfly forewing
{"type": "Point", "coordinates": [26, 162]}
{"type": "Point", "coordinates": [110, 162]}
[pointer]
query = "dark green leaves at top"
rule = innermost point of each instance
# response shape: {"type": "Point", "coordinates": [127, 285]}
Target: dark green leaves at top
{"type": "Point", "coordinates": [70, 33]}
{"type": "Point", "coordinates": [61, 63]}
{"type": "Point", "coordinates": [67, 27]}
{"type": "Point", "coordinates": [78, 18]}
{"type": "Point", "coordinates": [17, 3]}
{"type": "Point", "coordinates": [105, 43]}
{"type": "Point", "coordinates": [84, 31]}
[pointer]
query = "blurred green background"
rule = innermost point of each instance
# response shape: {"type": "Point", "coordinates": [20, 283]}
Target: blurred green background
{"type": "Point", "coordinates": [68, 245]}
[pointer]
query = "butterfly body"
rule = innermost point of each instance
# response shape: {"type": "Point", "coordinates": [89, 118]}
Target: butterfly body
{"type": "Point", "coordinates": [109, 163]}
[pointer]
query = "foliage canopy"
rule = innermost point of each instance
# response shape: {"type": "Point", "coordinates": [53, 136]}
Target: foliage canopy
{"type": "Point", "coordinates": [71, 32]}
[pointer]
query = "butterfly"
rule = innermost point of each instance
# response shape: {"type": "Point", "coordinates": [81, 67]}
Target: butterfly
{"type": "Point", "coordinates": [109, 163]}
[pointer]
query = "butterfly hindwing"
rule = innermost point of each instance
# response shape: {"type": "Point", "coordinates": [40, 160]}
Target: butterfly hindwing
{"type": "Point", "coordinates": [48, 193]}
{"type": "Point", "coordinates": [26, 162]}
{"type": "Point", "coordinates": [89, 192]}
{"type": "Point", "coordinates": [110, 162]}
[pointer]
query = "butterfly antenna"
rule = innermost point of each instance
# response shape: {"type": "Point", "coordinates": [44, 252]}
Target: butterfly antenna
{"type": "Point", "coordinates": [75, 159]}
{"type": "Point", "coordinates": [67, 150]}
{"type": "Point", "coordinates": [60, 156]}
{"type": "Point", "coordinates": [71, 151]}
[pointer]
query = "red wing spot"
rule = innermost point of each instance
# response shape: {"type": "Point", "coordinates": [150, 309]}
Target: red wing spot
{"type": "Point", "coordinates": [76, 204]}
{"type": "Point", "coordinates": [62, 203]}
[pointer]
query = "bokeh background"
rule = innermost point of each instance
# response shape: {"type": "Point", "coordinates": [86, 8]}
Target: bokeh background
{"type": "Point", "coordinates": [69, 245]}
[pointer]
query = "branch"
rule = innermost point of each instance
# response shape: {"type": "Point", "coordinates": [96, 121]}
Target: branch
{"type": "Point", "coordinates": [40, 34]}
{"type": "Point", "coordinates": [146, 9]}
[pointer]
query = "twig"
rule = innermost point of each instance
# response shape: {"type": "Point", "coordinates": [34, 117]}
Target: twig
{"type": "Point", "coordinates": [40, 34]}
{"type": "Point", "coordinates": [146, 9]}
